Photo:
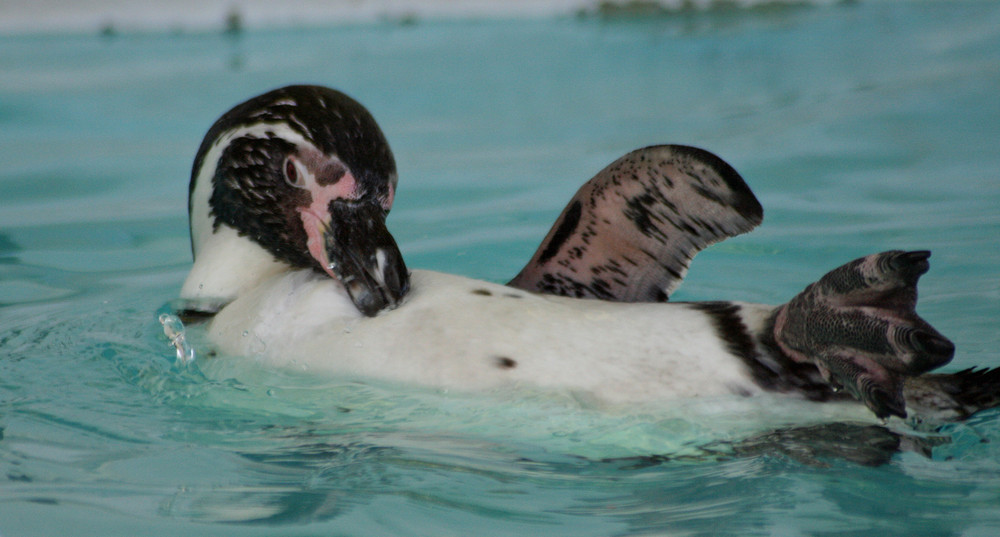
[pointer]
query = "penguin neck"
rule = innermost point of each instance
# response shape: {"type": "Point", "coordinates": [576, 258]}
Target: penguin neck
{"type": "Point", "coordinates": [226, 264]}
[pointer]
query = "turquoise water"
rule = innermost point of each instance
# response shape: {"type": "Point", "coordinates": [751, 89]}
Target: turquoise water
{"type": "Point", "coordinates": [861, 128]}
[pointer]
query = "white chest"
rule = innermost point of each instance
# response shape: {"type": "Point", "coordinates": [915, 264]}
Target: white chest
{"type": "Point", "coordinates": [458, 333]}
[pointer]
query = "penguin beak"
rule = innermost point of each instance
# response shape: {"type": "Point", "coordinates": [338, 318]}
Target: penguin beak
{"type": "Point", "coordinates": [361, 253]}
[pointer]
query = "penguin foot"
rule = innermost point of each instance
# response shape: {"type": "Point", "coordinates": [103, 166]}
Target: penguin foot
{"type": "Point", "coordinates": [859, 326]}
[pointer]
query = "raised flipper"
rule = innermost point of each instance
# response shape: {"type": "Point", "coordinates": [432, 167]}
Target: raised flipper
{"type": "Point", "coordinates": [629, 233]}
{"type": "Point", "coordinates": [859, 326]}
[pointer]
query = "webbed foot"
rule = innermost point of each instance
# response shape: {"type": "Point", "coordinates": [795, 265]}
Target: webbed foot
{"type": "Point", "coordinates": [859, 326]}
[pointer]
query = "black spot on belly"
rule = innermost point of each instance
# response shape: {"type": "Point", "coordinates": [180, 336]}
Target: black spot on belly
{"type": "Point", "coordinates": [482, 292]}
{"type": "Point", "coordinates": [504, 362]}
{"type": "Point", "coordinates": [512, 295]}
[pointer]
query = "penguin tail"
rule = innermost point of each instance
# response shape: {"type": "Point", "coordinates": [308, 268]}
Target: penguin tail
{"type": "Point", "coordinates": [952, 396]}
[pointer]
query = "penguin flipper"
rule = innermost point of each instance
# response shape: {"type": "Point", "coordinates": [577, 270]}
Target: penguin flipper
{"type": "Point", "coordinates": [629, 234]}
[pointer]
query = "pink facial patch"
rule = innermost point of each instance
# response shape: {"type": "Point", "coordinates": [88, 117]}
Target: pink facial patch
{"type": "Point", "coordinates": [315, 227]}
{"type": "Point", "coordinates": [316, 218]}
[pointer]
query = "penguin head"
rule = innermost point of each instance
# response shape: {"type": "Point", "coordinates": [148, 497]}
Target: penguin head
{"type": "Point", "coordinates": [305, 174]}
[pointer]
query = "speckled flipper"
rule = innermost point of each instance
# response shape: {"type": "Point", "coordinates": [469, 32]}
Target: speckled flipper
{"type": "Point", "coordinates": [858, 324]}
{"type": "Point", "coordinates": [630, 232]}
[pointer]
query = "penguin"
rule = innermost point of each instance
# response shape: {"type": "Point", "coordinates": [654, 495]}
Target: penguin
{"type": "Point", "coordinates": [293, 262]}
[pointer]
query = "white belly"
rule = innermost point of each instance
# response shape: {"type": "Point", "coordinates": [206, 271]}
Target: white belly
{"type": "Point", "coordinates": [458, 333]}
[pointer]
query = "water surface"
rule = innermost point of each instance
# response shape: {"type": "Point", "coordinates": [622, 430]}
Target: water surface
{"type": "Point", "coordinates": [861, 128]}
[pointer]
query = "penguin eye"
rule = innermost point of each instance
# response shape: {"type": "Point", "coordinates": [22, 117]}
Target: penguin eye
{"type": "Point", "coordinates": [293, 175]}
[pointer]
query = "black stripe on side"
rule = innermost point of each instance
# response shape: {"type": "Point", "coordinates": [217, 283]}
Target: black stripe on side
{"type": "Point", "coordinates": [730, 328]}
{"type": "Point", "coordinates": [771, 368]}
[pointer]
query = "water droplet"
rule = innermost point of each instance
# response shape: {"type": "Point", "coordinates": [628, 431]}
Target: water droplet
{"type": "Point", "coordinates": [173, 328]}
{"type": "Point", "coordinates": [246, 333]}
